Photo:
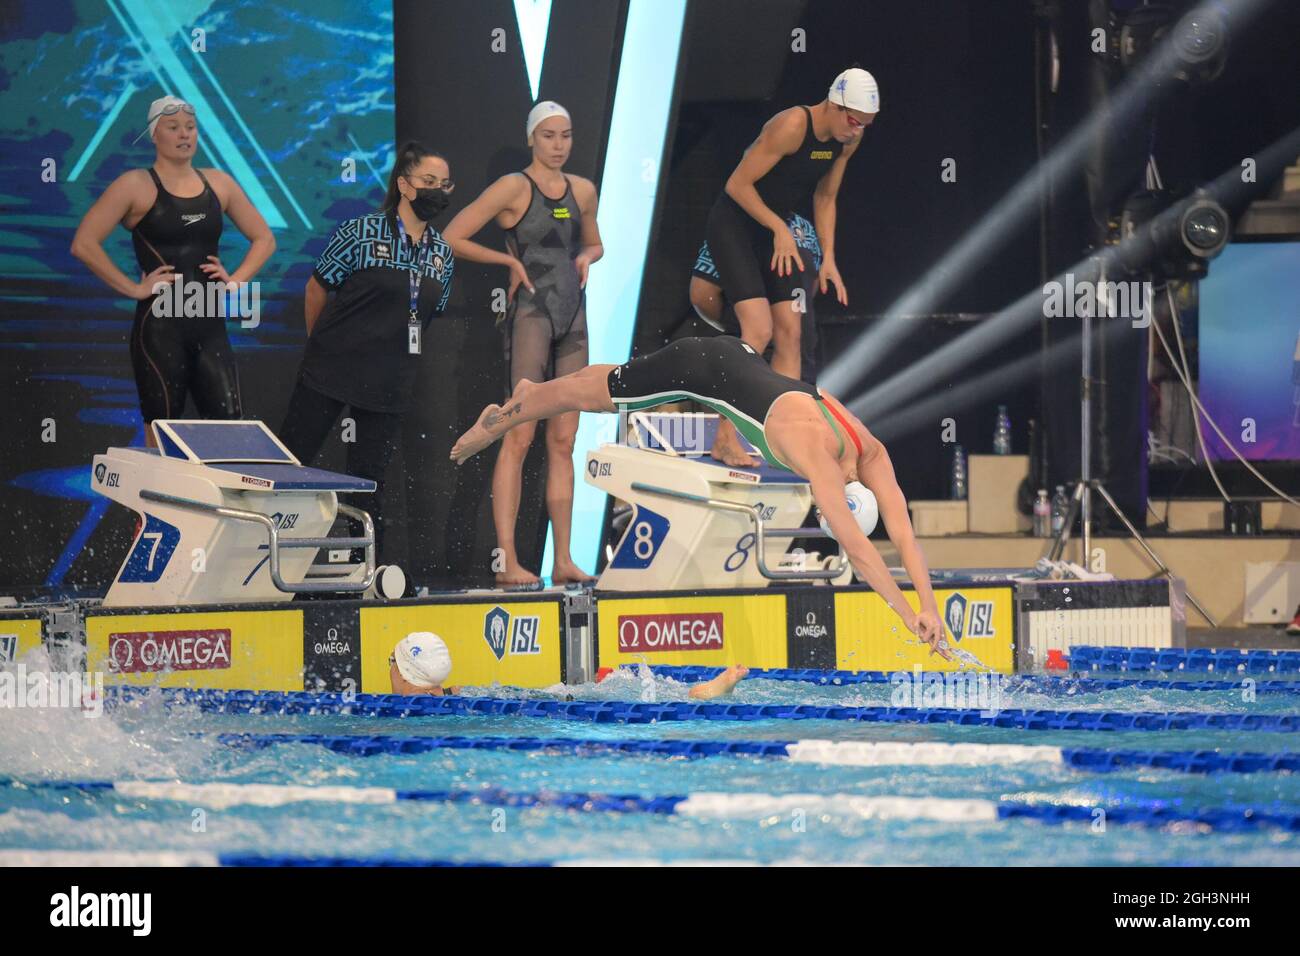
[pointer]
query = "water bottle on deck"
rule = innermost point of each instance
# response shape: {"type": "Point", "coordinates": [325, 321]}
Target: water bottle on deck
{"type": "Point", "coordinates": [1042, 515]}
{"type": "Point", "coordinates": [1002, 433]}
{"type": "Point", "coordinates": [1060, 508]}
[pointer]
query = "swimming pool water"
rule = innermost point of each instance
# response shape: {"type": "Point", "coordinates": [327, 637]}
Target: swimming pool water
{"type": "Point", "coordinates": [147, 740]}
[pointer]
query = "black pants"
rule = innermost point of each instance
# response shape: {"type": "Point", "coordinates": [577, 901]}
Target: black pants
{"type": "Point", "coordinates": [308, 423]}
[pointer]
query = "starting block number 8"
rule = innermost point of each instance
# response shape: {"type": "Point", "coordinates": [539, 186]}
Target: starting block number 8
{"type": "Point", "coordinates": [742, 548]}
{"type": "Point", "coordinates": [642, 540]}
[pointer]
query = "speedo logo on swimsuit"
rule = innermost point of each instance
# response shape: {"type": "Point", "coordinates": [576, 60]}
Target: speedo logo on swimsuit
{"type": "Point", "coordinates": [560, 212]}
{"type": "Point", "coordinates": [821, 154]}
{"type": "Point", "coordinates": [192, 217]}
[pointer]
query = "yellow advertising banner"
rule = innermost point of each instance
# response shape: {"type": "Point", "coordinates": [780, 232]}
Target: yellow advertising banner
{"type": "Point", "coordinates": [228, 650]}
{"type": "Point", "coordinates": [18, 636]}
{"type": "Point", "coordinates": [515, 643]}
{"type": "Point", "coordinates": [701, 630]}
{"type": "Point", "coordinates": [979, 621]}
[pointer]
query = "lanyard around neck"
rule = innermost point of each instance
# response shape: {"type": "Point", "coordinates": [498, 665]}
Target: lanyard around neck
{"type": "Point", "coordinates": [417, 272]}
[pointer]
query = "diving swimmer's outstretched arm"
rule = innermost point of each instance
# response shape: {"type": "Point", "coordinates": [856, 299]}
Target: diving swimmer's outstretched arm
{"type": "Point", "coordinates": [827, 482]}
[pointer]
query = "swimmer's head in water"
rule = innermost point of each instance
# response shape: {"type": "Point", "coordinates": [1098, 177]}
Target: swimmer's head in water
{"type": "Point", "coordinates": [550, 133]}
{"type": "Point", "coordinates": [854, 98]}
{"type": "Point", "coordinates": [171, 125]}
{"type": "Point", "coordinates": [420, 663]}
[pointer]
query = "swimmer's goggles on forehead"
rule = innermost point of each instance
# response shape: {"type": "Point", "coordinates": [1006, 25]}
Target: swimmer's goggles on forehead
{"type": "Point", "coordinates": [172, 108]}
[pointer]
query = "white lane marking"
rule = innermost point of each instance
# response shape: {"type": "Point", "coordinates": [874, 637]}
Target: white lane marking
{"type": "Point", "coordinates": [222, 795]}
{"type": "Point", "coordinates": [857, 753]}
{"type": "Point", "coordinates": [838, 804]}
{"type": "Point", "coordinates": [77, 858]}
{"type": "Point", "coordinates": [720, 861]}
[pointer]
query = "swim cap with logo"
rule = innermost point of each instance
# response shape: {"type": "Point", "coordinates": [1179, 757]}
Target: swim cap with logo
{"type": "Point", "coordinates": [423, 659]}
{"type": "Point", "coordinates": [543, 111]}
{"type": "Point", "coordinates": [855, 89]}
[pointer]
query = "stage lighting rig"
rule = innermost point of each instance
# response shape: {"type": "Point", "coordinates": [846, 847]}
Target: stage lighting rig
{"type": "Point", "coordinates": [1172, 239]}
{"type": "Point", "coordinates": [1198, 37]}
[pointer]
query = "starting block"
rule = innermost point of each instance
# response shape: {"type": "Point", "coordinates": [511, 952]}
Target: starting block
{"type": "Point", "coordinates": [217, 500]}
{"type": "Point", "coordinates": [696, 522]}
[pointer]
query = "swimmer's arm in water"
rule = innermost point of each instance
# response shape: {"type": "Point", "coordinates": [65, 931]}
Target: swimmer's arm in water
{"type": "Point", "coordinates": [584, 190]}
{"type": "Point", "coordinates": [781, 136]}
{"type": "Point", "coordinates": [247, 220]}
{"type": "Point", "coordinates": [125, 198]}
{"type": "Point", "coordinates": [876, 471]}
{"type": "Point", "coordinates": [509, 193]}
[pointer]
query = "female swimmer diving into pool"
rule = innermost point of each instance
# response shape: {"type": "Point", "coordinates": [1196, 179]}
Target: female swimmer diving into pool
{"type": "Point", "coordinates": [791, 423]}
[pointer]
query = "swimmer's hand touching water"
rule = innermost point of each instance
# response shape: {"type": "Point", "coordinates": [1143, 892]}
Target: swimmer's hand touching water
{"type": "Point", "coordinates": [927, 627]}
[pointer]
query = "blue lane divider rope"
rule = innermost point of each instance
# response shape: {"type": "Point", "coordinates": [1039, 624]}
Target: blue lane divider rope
{"type": "Point", "coordinates": [367, 746]}
{"type": "Point", "coordinates": [1086, 657]}
{"type": "Point", "coordinates": [1231, 817]}
{"type": "Point", "coordinates": [383, 862]}
{"type": "Point", "coordinates": [373, 705]}
{"type": "Point", "coordinates": [1090, 759]}
{"type": "Point", "coordinates": [692, 674]}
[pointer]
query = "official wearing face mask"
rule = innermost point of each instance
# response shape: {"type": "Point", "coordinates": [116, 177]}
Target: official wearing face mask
{"type": "Point", "coordinates": [376, 287]}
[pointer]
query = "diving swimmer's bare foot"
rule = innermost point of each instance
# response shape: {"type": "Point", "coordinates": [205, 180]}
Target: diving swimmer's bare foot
{"type": "Point", "coordinates": [729, 452]}
{"type": "Point", "coordinates": [720, 685]}
{"type": "Point", "coordinates": [566, 572]}
{"type": "Point", "coordinates": [478, 437]}
{"type": "Point", "coordinates": [491, 425]}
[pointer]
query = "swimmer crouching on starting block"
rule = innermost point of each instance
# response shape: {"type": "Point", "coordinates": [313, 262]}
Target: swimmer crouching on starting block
{"type": "Point", "coordinates": [793, 425]}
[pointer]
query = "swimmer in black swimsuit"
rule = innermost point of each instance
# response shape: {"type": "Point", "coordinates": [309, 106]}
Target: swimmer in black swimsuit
{"type": "Point", "coordinates": [794, 425]}
{"type": "Point", "coordinates": [758, 233]}
{"type": "Point", "coordinates": [173, 211]}
{"type": "Point", "coordinates": [550, 222]}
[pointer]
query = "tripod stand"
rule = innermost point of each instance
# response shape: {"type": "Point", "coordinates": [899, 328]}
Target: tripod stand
{"type": "Point", "coordinates": [1081, 500]}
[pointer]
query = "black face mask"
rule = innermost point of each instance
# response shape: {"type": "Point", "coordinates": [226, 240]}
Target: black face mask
{"type": "Point", "coordinates": [428, 203]}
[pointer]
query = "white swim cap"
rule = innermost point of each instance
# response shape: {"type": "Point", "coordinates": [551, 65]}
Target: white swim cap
{"type": "Point", "coordinates": [423, 659]}
{"type": "Point", "coordinates": [164, 106]}
{"type": "Point", "coordinates": [855, 89]}
{"type": "Point", "coordinates": [543, 110]}
{"type": "Point", "coordinates": [863, 505]}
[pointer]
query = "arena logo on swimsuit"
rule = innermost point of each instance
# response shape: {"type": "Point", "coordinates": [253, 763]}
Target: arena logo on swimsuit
{"type": "Point", "coordinates": [647, 633]}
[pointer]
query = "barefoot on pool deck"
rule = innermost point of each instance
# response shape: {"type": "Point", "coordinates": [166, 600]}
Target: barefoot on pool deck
{"type": "Point", "coordinates": [720, 685]}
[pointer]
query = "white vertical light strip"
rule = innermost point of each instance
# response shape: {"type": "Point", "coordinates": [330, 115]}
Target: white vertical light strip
{"type": "Point", "coordinates": [638, 128]}
{"type": "Point", "coordinates": [534, 19]}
